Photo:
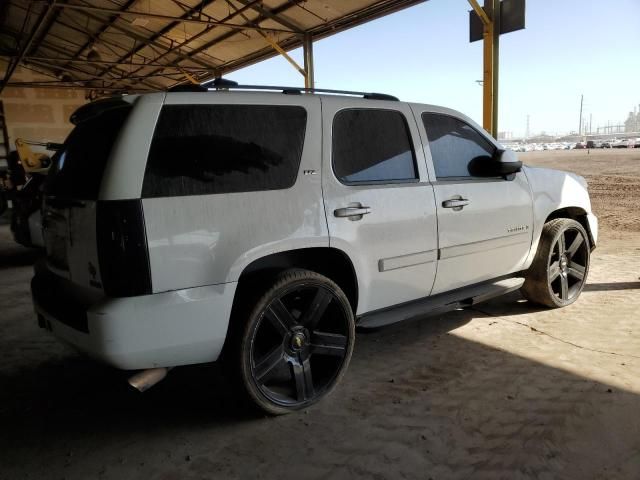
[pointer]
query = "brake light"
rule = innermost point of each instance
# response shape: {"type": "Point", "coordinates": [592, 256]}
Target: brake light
{"type": "Point", "coordinates": [122, 248]}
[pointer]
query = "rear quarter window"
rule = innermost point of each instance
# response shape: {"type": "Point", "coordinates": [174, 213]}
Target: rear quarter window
{"type": "Point", "coordinates": [212, 149]}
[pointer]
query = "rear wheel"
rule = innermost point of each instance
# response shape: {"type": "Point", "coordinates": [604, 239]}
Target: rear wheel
{"type": "Point", "coordinates": [559, 270]}
{"type": "Point", "coordinates": [297, 342]}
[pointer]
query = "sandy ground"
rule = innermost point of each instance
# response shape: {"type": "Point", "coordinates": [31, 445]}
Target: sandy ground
{"type": "Point", "coordinates": [501, 391]}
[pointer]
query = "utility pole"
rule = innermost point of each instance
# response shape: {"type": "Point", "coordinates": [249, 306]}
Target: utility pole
{"type": "Point", "coordinates": [580, 124]}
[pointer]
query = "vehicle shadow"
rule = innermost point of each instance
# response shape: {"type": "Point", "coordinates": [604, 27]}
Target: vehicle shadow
{"type": "Point", "coordinates": [13, 254]}
{"type": "Point", "coordinates": [418, 401]}
{"type": "Point", "coordinates": [603, 287]}
{"type": "Point", "coordinates": [19, 257]}
{"type": "Point", "coordinates": [75, 394]}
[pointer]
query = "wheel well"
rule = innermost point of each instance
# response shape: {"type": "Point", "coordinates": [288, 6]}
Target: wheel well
{"type": "Point", "coordinates": [574, 213]}
{"type": "Point", "coordinates": [330, 262]}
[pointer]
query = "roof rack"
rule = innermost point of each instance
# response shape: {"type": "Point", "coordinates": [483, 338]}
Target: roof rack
{"type": "Point", "coordinates": [224, 84]}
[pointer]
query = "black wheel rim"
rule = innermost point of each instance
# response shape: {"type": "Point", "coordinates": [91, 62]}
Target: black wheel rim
{"type": "Point", "coordinates": [299, 345]}
{"type": "Point", "coordinates": [568, 263]}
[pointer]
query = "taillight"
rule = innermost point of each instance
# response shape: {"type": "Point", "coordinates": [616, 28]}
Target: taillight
{"type": "Point", "coordinates": [122, 248]}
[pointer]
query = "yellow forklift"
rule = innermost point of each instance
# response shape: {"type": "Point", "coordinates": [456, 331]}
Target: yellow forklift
{"type": "Point", "coordinates": [22, 185]}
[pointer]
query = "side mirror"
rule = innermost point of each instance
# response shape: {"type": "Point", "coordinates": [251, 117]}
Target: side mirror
{"type": "Point", "coordinates": [507, 162]}
{"type": "Point", "coordinates": [504, 163]}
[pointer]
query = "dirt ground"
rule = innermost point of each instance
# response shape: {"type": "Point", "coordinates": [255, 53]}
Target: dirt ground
{"type": "Point", "coordinates": [500, 391]}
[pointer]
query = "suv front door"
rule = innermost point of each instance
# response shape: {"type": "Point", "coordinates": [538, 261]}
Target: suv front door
{"type": "Point", "coordinates": [484, 224]}
{"type": "Point", "coordinates": [378, 201]}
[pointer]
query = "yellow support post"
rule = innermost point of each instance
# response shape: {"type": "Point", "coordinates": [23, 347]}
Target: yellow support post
{"type": "Point", "coordinates": [495, 48]}
{"type": "Point", "coordinates": [490, 17]}
{"type": "Point", "coordinates": [189, 77]}
{"type": "Point", "coordinates": [281, 51]}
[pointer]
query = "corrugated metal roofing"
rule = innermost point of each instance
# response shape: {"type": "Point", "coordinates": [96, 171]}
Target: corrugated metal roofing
{"type": "Point", "coordinates": [134, 45]}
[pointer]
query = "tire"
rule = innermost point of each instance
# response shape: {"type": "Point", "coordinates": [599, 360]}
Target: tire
{"type": "Point", "coordinates": [295, 344]}
{"type": "Point", "coordinates": [561, 265]}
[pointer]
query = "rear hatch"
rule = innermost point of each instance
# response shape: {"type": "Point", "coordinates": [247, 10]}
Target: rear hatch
{"type": "Point", "coordinates": [72, 189]}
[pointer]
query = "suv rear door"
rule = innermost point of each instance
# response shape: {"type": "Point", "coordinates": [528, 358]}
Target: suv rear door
{"type": "Point", "coordinates": [484, 224]}
{"type": "Point", "coordinates": [378, 202]}
{"type": "Point", "coordinates": [72, 189]}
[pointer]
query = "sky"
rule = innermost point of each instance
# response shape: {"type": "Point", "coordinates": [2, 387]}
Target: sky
{"type": "Point", "coordinates": [422, 54]}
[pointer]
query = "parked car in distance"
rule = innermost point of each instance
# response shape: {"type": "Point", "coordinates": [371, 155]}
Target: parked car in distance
{"type": "Point", "coordinates": [260, 228]}
{"type": "Point", "coordinates": [620, 143]}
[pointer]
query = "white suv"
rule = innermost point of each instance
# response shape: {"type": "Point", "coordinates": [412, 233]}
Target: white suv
{"type": "Point", "coordinates": [263, 227]}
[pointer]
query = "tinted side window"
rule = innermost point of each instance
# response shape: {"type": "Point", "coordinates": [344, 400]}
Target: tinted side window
{"type": "Point", "coordinates": [206, 149]}
{"type": "Point", "coordinates": [77, 168]}
{"type": "Point", "coordinates": [372, 146]}
{"type": "Point", "coordinates": [454, 144]}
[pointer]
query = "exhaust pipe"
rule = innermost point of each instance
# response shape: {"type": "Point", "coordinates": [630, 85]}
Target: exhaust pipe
{"type": "Point", "coordinates": [145, 379]}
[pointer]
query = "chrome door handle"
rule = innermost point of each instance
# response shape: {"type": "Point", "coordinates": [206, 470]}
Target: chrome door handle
{"type": "Point", "coordinates": [351, 211]}
{"type": "Point", "coordinates": [455, 203]}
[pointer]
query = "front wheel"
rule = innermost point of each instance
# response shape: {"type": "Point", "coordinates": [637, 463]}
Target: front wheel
{"type": "Point", "coordinates": [297, 342]}
{"type": "Point", "coordinates": [559, 270]}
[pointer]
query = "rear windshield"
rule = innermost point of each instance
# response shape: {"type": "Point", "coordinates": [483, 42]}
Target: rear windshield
{"type": "Point", "coordinates": [77, 168]}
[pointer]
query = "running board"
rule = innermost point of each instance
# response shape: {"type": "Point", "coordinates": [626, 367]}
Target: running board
{"type": "Point", "coordinates": [441, 303]}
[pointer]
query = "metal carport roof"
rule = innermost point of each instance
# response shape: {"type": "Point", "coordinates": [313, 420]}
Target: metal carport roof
{"type": "Point", "coordinates": [139, 45]}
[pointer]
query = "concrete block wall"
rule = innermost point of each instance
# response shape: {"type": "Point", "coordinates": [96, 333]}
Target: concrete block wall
{"type": "Point", "coordinates": [40, 114]}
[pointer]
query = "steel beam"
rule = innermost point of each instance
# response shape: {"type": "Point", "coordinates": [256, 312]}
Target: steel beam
{"type": "Point", "coordinates": [40, 23]}
{"type": "Point", "coordinates": [95, 78]}
{"type": "Point", "coordinates": [228, 35]}
{"type": "Point", "coordinates": [196, 36]}
{"type": "Point", "coordinates": [266, 13]}
{"type": "Point", "coordinates": [163, 31]}
{"type": "Point", "coordinates": [277, 48]}
{"type": "Point", "coordinates": [117, 77]}
{"type": "Point", "coordinates": [115, 12]}
{"type": "Point", "coordinates": [322, 30]}
{"type": "Point", "coordinates": [53, 60]}
{"type": "Point", "coordinates": [102, 29]}
{"type": "Point", "coordinates": [79, 87]}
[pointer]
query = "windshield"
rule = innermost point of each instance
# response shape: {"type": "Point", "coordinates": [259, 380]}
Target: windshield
{"type": "Point", "coordinates": [77, 168]}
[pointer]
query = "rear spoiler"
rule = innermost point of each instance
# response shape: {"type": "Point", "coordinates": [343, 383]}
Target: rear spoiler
{"type": "Point", "coordinates": [93, 109]}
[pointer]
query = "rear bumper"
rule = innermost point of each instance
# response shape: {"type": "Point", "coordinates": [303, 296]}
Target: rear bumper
{"type": "Point", "coordinates": [161, 330]}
